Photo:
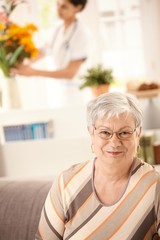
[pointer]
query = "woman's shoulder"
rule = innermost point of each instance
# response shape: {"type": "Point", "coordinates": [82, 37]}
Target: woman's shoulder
{"type": "Point", "coordinates": [78, 170]}
{"type": "Point", "coordinates": [143, 168]}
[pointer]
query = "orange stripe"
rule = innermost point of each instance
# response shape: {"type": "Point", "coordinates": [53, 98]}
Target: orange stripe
{"type": "Point", "coordinates": [132, 209]}
{"type": "Point", "coordinates": [117, 207]}
{"type": "Point", "coordinates": [75, 174]}
{"type": "Point", "coordinates": [79, 209]}
{"type": "Point", "coordinates": [60, 217]}
{"type": "Point", "coordinates": [59, 185]}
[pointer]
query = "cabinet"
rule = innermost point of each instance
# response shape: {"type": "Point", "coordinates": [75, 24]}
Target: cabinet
{"type": "Point", "coordinates": [150, 140]}
{"type": "Point", "coordinates": [45, 157]}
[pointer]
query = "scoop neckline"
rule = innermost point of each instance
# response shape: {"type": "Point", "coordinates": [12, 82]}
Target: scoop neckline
{"type": "Point", "coordinates": [94, 191]}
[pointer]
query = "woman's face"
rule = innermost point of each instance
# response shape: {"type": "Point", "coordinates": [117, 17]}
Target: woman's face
{"type": "Point", "coordinates": [66, 10]}
{"type": "Point", "coordinates": [115, 149]}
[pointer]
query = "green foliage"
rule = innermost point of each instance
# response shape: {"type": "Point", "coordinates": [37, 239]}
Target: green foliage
{"type": "Point", "coordinates": [15, 41]}
{"type": "Point", "coordinates": [15, 56]}
{"type": "Point", "coordinates": [96, 76]}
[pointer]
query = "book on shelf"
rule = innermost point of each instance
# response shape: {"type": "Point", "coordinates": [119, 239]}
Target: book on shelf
{"type": "Point", "coordinates": [141, 150]}
{"type": "Point", "coordinates": [156, 147]}
{"type": "Point", "coordinates": [30, 131]}
{"type": "Point", "coordinates": [146, 147]}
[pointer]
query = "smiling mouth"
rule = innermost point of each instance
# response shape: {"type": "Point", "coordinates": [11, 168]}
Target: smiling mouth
{"type": "Point", "coordinates": [114, 153]}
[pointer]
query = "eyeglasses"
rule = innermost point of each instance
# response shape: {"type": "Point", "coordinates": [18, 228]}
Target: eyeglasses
{"type": "Point", "coordinates": [124, 134]}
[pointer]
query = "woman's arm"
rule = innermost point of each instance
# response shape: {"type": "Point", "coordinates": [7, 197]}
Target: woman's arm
{"type": "Point", "coordinates": [52, 220]}
{"type": "Point", "coordinates": [68, 72]}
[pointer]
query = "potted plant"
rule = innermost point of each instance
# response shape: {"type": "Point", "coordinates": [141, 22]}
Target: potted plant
{"type": "Point", "coordinates": [98, 78]}
{"type": "Point", "coordinates": [16, 44]}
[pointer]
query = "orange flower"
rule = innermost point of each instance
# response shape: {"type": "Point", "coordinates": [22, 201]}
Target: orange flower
{"type": "Point", "coordinates": [15, 41]}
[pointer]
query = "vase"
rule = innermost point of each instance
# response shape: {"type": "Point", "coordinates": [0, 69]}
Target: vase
{"type": "Point", "coordinates": [98, 90]}
{"type": "Point", "coordinates": [10, 93]}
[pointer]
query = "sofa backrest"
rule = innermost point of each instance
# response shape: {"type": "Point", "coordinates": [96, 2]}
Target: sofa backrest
{"type": "Point", "coordinates": [20, 208]}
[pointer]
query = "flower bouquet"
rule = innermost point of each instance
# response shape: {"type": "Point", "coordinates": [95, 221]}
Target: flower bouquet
{"type": "Point", "coordinates": [16, 42]}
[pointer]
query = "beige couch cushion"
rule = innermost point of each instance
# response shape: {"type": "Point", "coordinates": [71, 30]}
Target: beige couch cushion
{"type": "Point", "coordinates": [20, 207]}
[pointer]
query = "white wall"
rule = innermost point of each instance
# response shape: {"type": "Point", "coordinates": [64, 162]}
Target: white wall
{"type": "Point", "coordinates": [45, 157]}
{"type": "Point", "coordinates": [150, 10]}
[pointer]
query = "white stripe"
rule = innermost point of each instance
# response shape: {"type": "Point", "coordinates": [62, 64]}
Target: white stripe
{"type": "Point", "coordinates": [94, 223]}
{"type": "Point", "coordinates": [137, 215]}
{"type": "Point", "coordinates": [54, 219]}
{"type": "Point", "coordinates": [74, 184]}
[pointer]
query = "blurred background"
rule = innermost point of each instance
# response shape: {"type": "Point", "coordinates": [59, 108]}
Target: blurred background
{"type": "Point", "coordinates": [125, 37]}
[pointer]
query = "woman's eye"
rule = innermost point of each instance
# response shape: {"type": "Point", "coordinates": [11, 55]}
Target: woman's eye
{"type": "Point", "coordinates": [105, 133]}
{"type": "Point", "coordinates": [124, 134]}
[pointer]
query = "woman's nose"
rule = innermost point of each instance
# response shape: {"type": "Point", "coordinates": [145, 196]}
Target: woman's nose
{"type": "Point", "coordinates": [115, 140]}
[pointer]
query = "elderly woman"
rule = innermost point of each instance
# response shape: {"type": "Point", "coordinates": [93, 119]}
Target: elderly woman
{"type": "Point", "coordinates": [116, 196]}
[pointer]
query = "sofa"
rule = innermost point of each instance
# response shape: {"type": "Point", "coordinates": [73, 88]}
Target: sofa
{"type": "Point", "coordinates": [20, 207]}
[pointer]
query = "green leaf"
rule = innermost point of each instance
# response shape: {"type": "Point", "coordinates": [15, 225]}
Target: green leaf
{"type": "Point", "coordinates": [15, 55]}
{"type": "Point", "coordinates": [4, 69]}
{"type": "Point", "coordinates": [3, 57]}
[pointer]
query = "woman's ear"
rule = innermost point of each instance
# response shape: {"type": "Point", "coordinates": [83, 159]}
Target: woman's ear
{"type": "Point", "coordinates": [90, 130]}
{"type": "Point", "coordinates": [139, 134]}
{"type": "Point", "coordinates": [140, 131]}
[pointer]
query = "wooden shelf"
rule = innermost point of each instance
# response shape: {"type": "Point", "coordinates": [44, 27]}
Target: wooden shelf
{"type": "Point", "coordinates": [146, 93]}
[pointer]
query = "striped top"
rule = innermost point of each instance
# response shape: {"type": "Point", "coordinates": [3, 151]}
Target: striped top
{"type": "Point", "coordinates": [72, 211]}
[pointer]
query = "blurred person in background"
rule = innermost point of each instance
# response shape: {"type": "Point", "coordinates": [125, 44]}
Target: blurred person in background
{"type": "Point", "coordinates": [68, 48]}
{"type": "Point", "coordinates": [68, 44]}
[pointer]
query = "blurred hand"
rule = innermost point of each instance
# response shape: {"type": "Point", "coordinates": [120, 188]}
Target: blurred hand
{"type": "Point", "coordinates": [22, 69]}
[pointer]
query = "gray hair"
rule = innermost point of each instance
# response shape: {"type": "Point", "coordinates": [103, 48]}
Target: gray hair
{"type": "Point", "coordinates": [113, 104]}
